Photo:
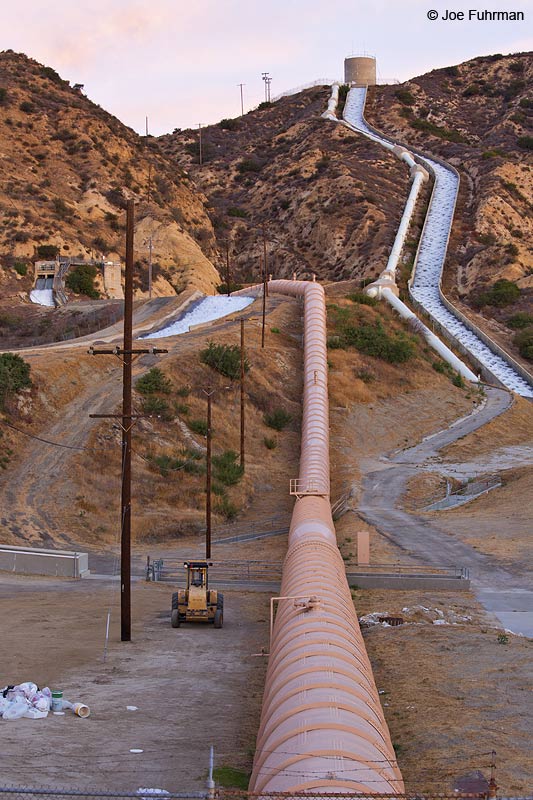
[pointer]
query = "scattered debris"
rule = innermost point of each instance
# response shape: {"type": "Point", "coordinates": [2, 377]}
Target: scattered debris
{"type": "Point", "coordinates": [25, 700]}
{"type": "Point", "coordinates": [413, 615]}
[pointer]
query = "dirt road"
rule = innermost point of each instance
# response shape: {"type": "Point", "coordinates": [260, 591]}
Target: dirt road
{"type": "Point", "coordinates": [504, 593]}
{"type": "Point", "coordinates": [183, 684]}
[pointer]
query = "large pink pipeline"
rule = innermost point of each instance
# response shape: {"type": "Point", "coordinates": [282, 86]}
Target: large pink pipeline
{"type": "Point", "coordinates": [322, 727]}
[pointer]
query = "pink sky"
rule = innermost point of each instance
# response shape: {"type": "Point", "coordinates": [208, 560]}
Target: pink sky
{"type": "Point", "coordinates": [179, 62]}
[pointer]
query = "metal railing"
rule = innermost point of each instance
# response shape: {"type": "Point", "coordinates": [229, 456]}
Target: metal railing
{"type": "Point", "coordinates": [171, 570]}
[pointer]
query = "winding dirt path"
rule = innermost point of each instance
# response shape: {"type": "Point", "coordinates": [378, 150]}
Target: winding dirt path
{"type": "Point", "coordinates": [506, 594]}
{"type": "Point", "coordinates": [34, 490]}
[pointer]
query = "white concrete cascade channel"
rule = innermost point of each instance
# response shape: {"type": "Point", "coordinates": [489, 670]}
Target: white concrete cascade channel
{"type": "Point", "coordinates": [425, 285]}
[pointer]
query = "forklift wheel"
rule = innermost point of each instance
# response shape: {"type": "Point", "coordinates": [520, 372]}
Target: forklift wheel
{"type": "Point", "coordinates": [219, 618]}
{"type": "Point", "coordinates": [175, 618]}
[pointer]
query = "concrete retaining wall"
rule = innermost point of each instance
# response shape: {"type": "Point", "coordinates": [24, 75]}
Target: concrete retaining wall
{"type": "Point", "coordinates": [33, 561]}
{"type": "Point", "coordinates": [444, 583]}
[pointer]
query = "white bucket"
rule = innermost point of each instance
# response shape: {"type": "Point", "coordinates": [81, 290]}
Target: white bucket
{"type": "Point", "coordinates": [81, 710]}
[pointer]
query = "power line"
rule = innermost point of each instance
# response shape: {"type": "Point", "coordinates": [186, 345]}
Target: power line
{"type": "Point", "coordinates": [55, 444]}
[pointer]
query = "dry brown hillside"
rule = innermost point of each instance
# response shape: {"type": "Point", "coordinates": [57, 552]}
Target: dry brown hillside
{"type": "Point", "coordinates": [478, 116]}
{"type": "Point", "coordinates": [330, 202]}
{"type": "Point", "coordinates": [67, 168]}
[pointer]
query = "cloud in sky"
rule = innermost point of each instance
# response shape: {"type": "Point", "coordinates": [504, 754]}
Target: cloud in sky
{"type": "Point", "coordinates": [179, 62]}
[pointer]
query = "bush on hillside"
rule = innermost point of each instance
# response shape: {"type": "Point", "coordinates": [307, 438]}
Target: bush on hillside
{"type": "Point", "coordinates": [277, 419]}
{"type": "Point", "coordinates": [225, 358]}
{"type": "Point", "coordinates": [520, 320]}
{"type": "Point", "coordinates": [373, 340]}
{"type": "Point", "coordinates": [14, 376]}
{"type": "Point", "coordinates": [226, 469]}
{"type": "Point", "coordinates": [157, 407]}
{"type": "Point", "coordinates": [81, 281]}
{"type": "Point", "coordinates": [47, 251]}
{"type": "Point", "coordinates": [501, 294]}
{"type": "Point", "coordinates": [524, 342]}
{"type": "Point", "coordinates": [229, 124]}
{"type": "Point", "coordinates": [153, 381]}
{"type": "Point", "coordinates": [526, 142]}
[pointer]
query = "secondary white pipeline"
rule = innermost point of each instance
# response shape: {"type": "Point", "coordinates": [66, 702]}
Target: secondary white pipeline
{"type": "Point", "coordinates": [425, 285]}
{"type": "Point", "coordinates": [420, 177]}
{"type": "Point", "coordinates": [385, 285]}
{"type": "Point", "coordinates": [332, 102]}
{"type": "Point", "coordinates": [433, 341]}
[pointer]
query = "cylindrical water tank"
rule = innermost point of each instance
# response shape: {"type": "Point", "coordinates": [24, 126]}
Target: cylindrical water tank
{"type": "Point", "coordinates": [360, 70]}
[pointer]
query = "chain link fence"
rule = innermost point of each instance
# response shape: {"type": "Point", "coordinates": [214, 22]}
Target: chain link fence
{"type": "Point", "coordinates": [19, 793]}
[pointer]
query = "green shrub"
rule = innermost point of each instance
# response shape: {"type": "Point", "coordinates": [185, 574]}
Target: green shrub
{"type": "Point", "coordinates": [520, 320]}
{"type": "Point", "coordinates": [526, 142]}
{"type": "Point", "coordinates": [14, 376]}
{"type": "Point", "coordinates": [227, 508]}
{"type": "Point", "coordinates": [458, 380]}
{"type": "Point", "coordinates": [3, 95]}
{"type": "Point", "coordinates": [264, 104]}
{"type": "Point", "coordinates": [20, 268]}
{"type": "Point", "coordinates": [27, 107]}
{"type": "Point", "coordinates": [226, 469]}
{"type": "Point", "coordinates": [222, 288]}
{"type": "Point", "coordinates": [501, 294]}
{"type": "Point", "coordinates": [405, 97]}
{"type": "Point", "coordinates": [234, 211]}
{"type": "Point", "coordinates": [157, 407]}
{"type": "Point", "coordinates": [198, 426]}
{"type": "Point", "coordinates": [225, 358]}
{"type": "Point", "coordinates": [153, 381]}
{"type": "Point", "coordinates": [362, 298]}
{"type": "Point", "coordinates": [229, 124]}
{"type": "Point", "coordinates": [250, 165]}
{"type": "Point", "coordinates": [183, 391]}
{"type": "Point", "coordinates": [47, 251]}
{"type": "Point", "coordinates": [526, 102]}
{"type": "Point", "coordinates": [441, 366]}
{"type": "Point", "coordinates": [450, 134]}
{"type": "Point", "coordinates": [343, 94]}
{"type": "Point", "coordinates": [277, 419]}
{"type": "Point", "coordinates": [335, 342]}
{"type": "Point", "coordinates": [274, 330]}
{"type": "Point", "coordinates": [229, 777]}
{"type": "Point", "coordinates": [167, 464]}
{"type": "Point", "coordinates": [270, 444]}
{"type": "Point", "coordinates": [81, 280]}
{"type": "Point", "coordinates": [496, 152]}
{"type": "Point", "coordinates": [62, 210]}
{"type": "Point", "coordinates": [524, 342]}
{"type": "Point", "coordinates": [373, 340]}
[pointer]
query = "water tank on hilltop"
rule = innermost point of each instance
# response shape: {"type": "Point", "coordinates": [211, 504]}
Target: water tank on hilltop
{"type": "Point", "coordinates": [360, 70]}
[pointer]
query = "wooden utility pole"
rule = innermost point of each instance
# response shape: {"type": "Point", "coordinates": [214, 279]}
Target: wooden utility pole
{"type": "Point", "coordinates": [209, 393]}
{"type": "Point", "coordinates": [150, 267]}
{"type": "Point", "coordinates": [228, 276]}
{"type": "Point", "coordinates": [126, 355]}
{"type": "Point", "coordinates": [242, 392]}
{"type": "Point", "coordinates": [264, 286]}
{"type": "Point", "coordinates": [265, 258]}
{"type": "Point", "coordinates": [125, 541]}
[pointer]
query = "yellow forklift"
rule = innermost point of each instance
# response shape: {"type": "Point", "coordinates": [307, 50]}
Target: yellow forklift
{"type": "Point", "coordinates": [197, 603]}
